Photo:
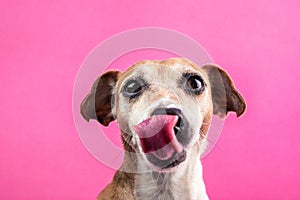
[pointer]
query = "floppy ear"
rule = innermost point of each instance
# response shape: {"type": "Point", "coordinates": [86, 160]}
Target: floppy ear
{"type": "Point", "coordinates": [225, 97]}
{"type": "Point", "coordinates": [99, 102]}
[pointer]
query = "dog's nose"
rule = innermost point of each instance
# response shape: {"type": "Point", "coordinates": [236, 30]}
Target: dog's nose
{"type": "Point", "coordinates": [166, 111]}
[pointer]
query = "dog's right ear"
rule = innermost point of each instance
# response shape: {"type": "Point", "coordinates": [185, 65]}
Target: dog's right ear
{"type": "Point", "coordinates": [99, 102]}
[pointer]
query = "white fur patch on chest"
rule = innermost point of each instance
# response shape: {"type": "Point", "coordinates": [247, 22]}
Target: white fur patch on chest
{"type": "Point", "coordinates": [184, 183]}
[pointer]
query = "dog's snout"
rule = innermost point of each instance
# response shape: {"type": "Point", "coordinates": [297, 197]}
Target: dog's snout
{"type": "Point", "coordinates": [166, 111]}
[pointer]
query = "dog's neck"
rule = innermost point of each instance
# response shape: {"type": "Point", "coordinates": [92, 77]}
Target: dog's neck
{"type": "Point", "coordinates": [185, 182]}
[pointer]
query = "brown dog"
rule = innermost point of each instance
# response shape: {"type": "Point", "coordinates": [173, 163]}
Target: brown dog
{"type": "Point", "coordinates": [164, 110]}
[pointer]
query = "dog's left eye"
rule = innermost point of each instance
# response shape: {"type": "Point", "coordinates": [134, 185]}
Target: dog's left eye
{"type": "Point", "coordinates": [132, 88]}
{"type": "Point", "coordinates": [195, 84]}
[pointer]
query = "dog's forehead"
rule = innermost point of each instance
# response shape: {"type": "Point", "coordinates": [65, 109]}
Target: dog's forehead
{"type": "Point", "coordinates": [154, 68]}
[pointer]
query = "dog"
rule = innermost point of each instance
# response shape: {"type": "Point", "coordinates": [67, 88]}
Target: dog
{"type": "Point", "coordinates": [164, 110]}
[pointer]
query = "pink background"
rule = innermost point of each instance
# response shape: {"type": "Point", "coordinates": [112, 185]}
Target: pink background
{"type": "Point", "coordinates": [43, 43]}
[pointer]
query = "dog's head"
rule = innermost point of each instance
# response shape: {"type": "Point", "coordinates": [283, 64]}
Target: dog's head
{"type": "Point", "coordinates": [163, 108]}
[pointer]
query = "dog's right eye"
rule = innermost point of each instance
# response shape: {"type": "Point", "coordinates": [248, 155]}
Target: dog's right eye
{"type": "Point", "coordinates": [133, 88]}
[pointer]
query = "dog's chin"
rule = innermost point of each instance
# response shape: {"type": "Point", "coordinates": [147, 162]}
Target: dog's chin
{"type": "Point", "coordinates": [167, 165]}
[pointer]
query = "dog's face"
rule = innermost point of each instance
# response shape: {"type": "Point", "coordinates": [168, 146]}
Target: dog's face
{"type": "Point", "coordinates": [163, 108]}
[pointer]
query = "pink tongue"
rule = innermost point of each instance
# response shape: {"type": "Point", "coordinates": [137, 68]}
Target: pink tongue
{"type": "Point", "coordinates": [157, 136]}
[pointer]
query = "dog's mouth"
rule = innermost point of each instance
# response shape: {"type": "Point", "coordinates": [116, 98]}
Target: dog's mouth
{"type": "Point", "coordinates": [159, 136]}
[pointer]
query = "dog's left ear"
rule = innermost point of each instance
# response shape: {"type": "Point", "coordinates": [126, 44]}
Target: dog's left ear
{"type": "Point", "coordinates": [99, 102]}
{"type": "Point", "coordinates": [225, 96]}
